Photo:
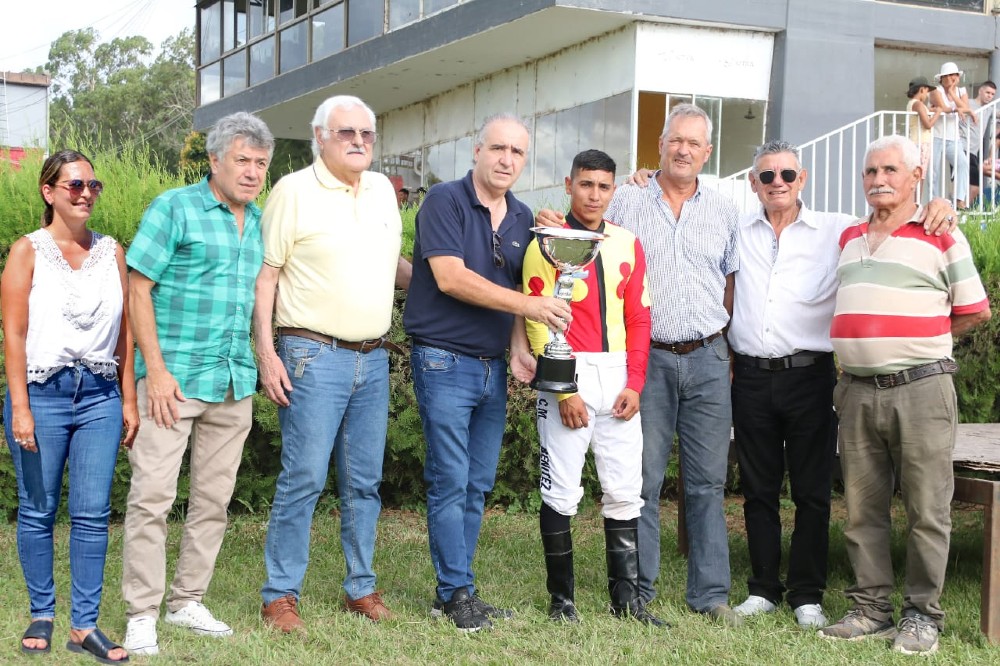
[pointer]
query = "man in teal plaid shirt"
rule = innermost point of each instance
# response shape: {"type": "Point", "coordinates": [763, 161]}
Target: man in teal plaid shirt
{"type": "Point", "coordinates": [194, 261]}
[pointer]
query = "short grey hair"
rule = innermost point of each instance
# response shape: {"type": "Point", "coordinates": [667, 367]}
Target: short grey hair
{"type": "Point", "coordinates": [688, 111]}
{"type": "Point", "coordinates": [908, 149]}
{"type": "Point", "coordinates": [497, 117]}
{"type": "Point", "coordinates": [322, 115]}
{"type": "Point", "coordinates": [776, 147]}
{"type": "Point", "coordinates": [239, 125]}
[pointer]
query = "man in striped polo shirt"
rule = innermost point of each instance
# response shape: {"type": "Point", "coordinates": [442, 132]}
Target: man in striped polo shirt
{"type": "Point", "coordinates": [903, 296]}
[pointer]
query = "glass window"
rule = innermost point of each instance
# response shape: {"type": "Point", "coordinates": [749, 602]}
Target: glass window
{"type": "Point", "coordinates": [969, 5]}
{"type": "Point", "coordinates": [234, 73]}
{"type": "Point", "coordinates": [402, 12]}
{"type": "Point", "coordinates": [209, 83]}
{"type": "Point", "coordinates": [463, 156]}
{"type": "Point", "coordinates": [567, 141]}
{"type": "Point", "coordinates": [328, 32]}
{"type": "Point", "coordinates": [241, 22]}
{"type": "Point", "coordinates": [262, 61]}
{"type": "Point", "coordinates": [440, 163]}
{"type": "Point", "coordinates": [289, 10]}
{"type": "Point", "coordinates": [617, 130]}
{"type": "Point", "coordinates": [365, 19]}
{"type": "Point", "coordinates": [432, 6]}
{"type": "Point", "coordinates": [261, 17]}
{"type": "Point", "coordinates": [228, 25]}
{"type": "Point", "coordinates": [293, 47]}
{"type": "Point", "coordinates": [211, 26]}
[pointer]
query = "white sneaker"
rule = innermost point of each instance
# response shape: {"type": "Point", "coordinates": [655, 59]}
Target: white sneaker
{"type": "Point", "coordinates": [198, 619]}
{"type": "Point", "coordinates": [140, 636]}
{"type": "Point", "coordinates": [810, 616]}
{"type": "Point", "coordinates": [755, 605]}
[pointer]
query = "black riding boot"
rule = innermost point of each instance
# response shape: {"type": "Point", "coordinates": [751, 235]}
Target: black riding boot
{"type": "Point", "coordinates": [558, 544]}
{"type": "Point", "coordinates": [621, 539]}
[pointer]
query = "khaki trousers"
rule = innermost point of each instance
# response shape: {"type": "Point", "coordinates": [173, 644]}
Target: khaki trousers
{"type": "Point", "coordinates": [906, 432]}
{"type": "Point", "coordinates": [216, 432]}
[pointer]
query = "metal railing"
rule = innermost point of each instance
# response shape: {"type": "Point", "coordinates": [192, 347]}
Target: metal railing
{"type": "Point", "coordinates": [835, 160]}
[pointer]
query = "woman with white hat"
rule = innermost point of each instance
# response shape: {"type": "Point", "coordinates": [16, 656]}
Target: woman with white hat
{"type": "Point", "coordinates": [949, 144]}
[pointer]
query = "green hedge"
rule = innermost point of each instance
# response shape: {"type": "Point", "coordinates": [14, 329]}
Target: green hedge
{"type": "Point", "coordinates": [131, 185]}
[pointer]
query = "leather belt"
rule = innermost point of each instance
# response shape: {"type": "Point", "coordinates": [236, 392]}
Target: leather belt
{"type": "Point", "coordinates": [909, 375]}
{"type": "Point", "coordinates": [685, 347]}
{"type": "Point", "coordinates": [364, 346]}
{"type": "Point", "coordinates": [802, 359]}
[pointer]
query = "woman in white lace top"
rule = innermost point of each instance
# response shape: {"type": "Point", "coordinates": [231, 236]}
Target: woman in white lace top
{"type": "Point", "coordinates": [70, 390]}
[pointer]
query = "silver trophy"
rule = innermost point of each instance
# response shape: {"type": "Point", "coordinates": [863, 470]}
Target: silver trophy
{"type": "Point", "coordinates": [569, 250]}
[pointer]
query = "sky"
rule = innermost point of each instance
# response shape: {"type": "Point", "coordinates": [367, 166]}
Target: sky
{"type": "Point", "coordinates": [30, 26]}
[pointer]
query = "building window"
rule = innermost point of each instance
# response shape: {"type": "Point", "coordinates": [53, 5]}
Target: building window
{"type": "Point", "coordinates": [261, 17]}
{"type": "Point", "coordinates": [292, 44]}
{"type": "Point", "coordinates": [209, 84]}
{"type": "Point", "coordinates": [433, 6]}
{"type": "Point", "coordinates": [289, 10]}
{"type": "Point", "coordinates": [402, 12]}
{"type": "Point", "coordinates": [211, 26]}
{"type": "Point", "coordinates": [234, 73]}
{"type": "Point", "coordinates": [262, 61]}
{"type": "Point", "coordinates": [328, 32]}
{"type": "Point", "coordinates": [365, 19]}
{"type": "Point", "coordinates": [967, 5]}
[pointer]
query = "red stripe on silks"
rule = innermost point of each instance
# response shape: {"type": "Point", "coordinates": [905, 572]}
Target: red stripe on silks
{"type": "Point", "coordinates": [851, 232]}
{"type": "Point", "coordinates": [971, 309]}
{"type": "Point", "coordinates": [850, 326]}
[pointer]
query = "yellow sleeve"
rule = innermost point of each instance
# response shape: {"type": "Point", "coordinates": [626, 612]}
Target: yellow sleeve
{"type": "Point", "coordinates": [537, 279]}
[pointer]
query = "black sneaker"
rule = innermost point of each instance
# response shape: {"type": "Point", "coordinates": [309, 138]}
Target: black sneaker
{"type": "Point", "coordinates": [489, 610]}
{"type": "Point", "coordinates": [463, 612]}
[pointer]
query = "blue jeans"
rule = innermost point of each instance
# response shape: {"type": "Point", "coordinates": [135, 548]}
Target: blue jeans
{"type": "Point", "coordinates": [339, 405]}
{"type": "Point", "coordinates": [78, 417]}
{"type": "Point", "coordinates": [688, 394]}
{"type": "Point", "coordinates": [463, 407]}
{"type": "Point", "coordinates": [956, 158]}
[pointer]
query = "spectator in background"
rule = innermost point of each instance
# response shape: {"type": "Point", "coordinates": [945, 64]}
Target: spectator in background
{"type": "Point", "coordinates": [985, 126]}
{"type": "Point", "coordinates": [921, 127]}
{"type": "Point", "coordinates": [949, 146]}
{"type": "Point", "coordinates": [402, 197]}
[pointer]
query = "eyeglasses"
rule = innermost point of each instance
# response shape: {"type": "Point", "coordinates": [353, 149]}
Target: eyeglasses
{"type": "Point", "coordinates": [498, 259]}
{"type": "Point", "coordinates": [348, 133]}
{"type": "Point", "coordinates": [76, 186]}
{"type": "Point", "coordinates": [787, 175]}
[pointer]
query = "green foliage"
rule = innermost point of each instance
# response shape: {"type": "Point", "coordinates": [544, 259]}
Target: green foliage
{"type": "Point", "coordinates": [107, 94]}
{"type": "Point", "coordinates": [194, 158]}
{"type": "Point", "coordinates": [978, 380]}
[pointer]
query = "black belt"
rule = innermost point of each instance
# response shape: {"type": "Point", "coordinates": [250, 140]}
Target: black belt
{"type": "Point", "coordinates": [363, 346]}
{"type": "Point", "coordinates": [909, 375]}
{"type": "Point", "coordinates": [802, 359]}
{"type": "Point", "coordinates": [685, 347]}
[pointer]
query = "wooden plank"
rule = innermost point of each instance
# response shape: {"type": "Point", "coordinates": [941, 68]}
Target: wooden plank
{"type": "Point", "coordinates": [975, 491]}
{"type": "Point", "coordinates": [989, 620]}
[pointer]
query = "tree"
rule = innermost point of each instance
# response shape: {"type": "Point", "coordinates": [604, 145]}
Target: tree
{"type": "Point", "coordinates": [104, 94]}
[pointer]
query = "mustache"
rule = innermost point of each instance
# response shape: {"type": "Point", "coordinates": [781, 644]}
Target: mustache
{"type": "Point", "coordinates": [881, 190]}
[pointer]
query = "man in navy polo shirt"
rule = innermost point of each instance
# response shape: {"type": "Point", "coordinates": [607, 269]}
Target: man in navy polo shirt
{"type": "Point", "coordinates": [464, 308]}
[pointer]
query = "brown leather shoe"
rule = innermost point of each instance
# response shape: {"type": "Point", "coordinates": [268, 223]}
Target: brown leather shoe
{"type": "Point", "coordinates": [283, 614]}
{"type": "Point", "coordinates": [371, 607]}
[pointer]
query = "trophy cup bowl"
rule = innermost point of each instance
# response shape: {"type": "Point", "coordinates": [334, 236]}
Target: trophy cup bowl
{"type": "Point", "coordinates": [569, 250]}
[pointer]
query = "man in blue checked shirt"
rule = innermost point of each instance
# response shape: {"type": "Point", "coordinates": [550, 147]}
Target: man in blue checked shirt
{"type": "Point", "coordinates": [194, 261]}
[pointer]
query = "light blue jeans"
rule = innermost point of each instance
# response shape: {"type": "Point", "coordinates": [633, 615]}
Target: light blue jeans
{"type": "Point", "coordinates": [78, 418]}
{"type": "Point", "coordinates": [340, 406]}
{"type": "Point", "coordinates": [463, 407]}
{"type": "Point", "coordinates": [688, 394]}
{"type": "Point", "coordinates": [955, 157]}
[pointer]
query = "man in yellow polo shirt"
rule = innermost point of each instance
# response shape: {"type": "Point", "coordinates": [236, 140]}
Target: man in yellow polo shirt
{"type": "Point", "coordinates": [331, 258]}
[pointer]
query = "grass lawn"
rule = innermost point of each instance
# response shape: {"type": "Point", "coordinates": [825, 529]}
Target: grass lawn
{"type": "Point", "coordinates": [510, 573]}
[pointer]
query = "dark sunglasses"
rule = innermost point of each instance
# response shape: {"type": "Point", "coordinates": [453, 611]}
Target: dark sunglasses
{"type": "Point", "coordinates": [787, 175]}
{"type": "Point", "coordinates": [348, 133]}
{"type": "Point", "coordinates": [76, 186]}
{"type": "Point", "coordinates": [498, 259]}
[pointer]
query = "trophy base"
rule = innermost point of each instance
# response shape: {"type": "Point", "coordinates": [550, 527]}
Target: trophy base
{"type": "Point", "coordinates": [555, 375]}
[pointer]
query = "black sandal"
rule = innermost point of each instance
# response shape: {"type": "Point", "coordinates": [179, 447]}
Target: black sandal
{"type": "Point", "coordinates": [39, 630]}
{"type": "Point", "coordinates": [98, 645]}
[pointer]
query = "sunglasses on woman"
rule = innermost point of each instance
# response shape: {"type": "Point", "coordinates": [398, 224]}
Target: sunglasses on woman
{"type": "Point", "coordinates": [787, 175]}
{"type": "Point", "coordinates": [76, 186]}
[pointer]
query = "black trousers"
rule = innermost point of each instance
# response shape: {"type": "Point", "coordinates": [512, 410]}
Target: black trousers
{"type": "Point", "coordinates": [784, 418]}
